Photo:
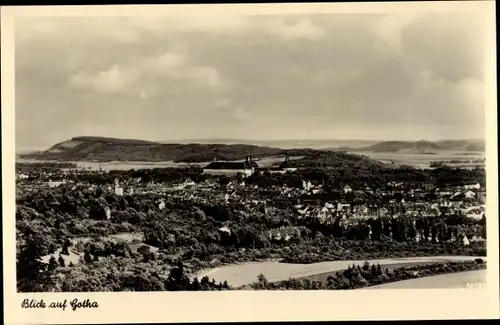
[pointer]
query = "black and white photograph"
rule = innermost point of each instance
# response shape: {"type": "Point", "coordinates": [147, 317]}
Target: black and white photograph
{"type": "Point", "coordinates": [251, 151]}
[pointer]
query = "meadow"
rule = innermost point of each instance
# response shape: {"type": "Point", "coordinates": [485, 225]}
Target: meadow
{"type": "Point", "coordinates": [459, 280]}
{"type": "Point", "coordinates": [422, 160]}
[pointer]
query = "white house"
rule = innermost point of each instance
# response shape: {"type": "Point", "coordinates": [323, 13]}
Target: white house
{"type": "Point", "coordinates": [118, 190]}
{"type": "Point", "coordinates": [470, 194]}
{"type": "Point", "coordinates": [108, 212]}
{"type": "Point", "coordinates": [342, 206]}
{"type": "Point", "coordinates": [476, 186]}
{"type": "Point", "coordinates": [55, 183]}
{"type": "Point", "coordinates": [329, 205]}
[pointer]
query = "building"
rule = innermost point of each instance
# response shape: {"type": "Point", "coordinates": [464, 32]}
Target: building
{"type": "Point", "coordinates": [287, 165]}
{"type": "Point", "coordinates": [272, 170]}
{"type": "Point", "coordinates": [476, 186]}
{"type": "Point", "coordinates": [229, 168]}
{"type": "Point", "coordinates": [470, 194]}
{"type": "Point", "coordinates": [53, 184]}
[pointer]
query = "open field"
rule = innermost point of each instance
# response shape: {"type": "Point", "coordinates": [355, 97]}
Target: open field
{"type": "Point", "coordinates": [246, 273]}
{"type": "Point", "coordinates": [123, 165]}
{"type": "Point", "coordinates": [117, 165]}
{"type": "Point", "coordinates": [418, 160]}
{"type": "Point", "coordinates": [460, 280]}
{"type": "Point", "coordinates": [134, 241]}
{"type": "Point", "coordinates": [421, 160]}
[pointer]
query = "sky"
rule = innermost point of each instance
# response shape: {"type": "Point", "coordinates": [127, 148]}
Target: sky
{"type": "Point", "coordinates": [393, 76]}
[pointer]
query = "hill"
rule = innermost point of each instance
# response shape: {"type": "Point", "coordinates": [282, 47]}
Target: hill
{"type": "Point", "coordinates": [320, 144]}
{"type": "Point", "coordinates": [395, 146]}
{"type": "Point", "coordinates": [425, 146]}
{"type": "Point", "coordinates": [463, 145]}
{"type": "Point", "coordinates": [111, 149]}
{"type": "Point", "coordinates": [338, 160]}
{"type": "Point", "coordinates": [102, 149]}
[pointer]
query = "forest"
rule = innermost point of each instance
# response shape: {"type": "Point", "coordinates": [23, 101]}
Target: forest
{"type": "Point", "coordinates": [190, 233]}
{"type": "Point", "coordinates": [356, 171]}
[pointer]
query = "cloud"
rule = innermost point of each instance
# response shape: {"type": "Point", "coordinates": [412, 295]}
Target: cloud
{"type": "Point", "coordinates": [179, 67]}
{"type": "Point", "coordinates": [442, 99]}
{"type": "Point", "coordinates": [111, 81]}
{"type": "Point", "coordinates": [363, 76]}
{"type": "Point", "coordinates": [389, 32]}
{"type": "Point", "coordinates": [221, 103]}
{"type": "Point", "coordinates": [132, 29]}
{"type": "Point", "coordinates": [228, 24]}
{"type": "Point", "coordinates": [76, 28]}
{"type": "Point", "coordinates": [149, 74]}
{"type": "Point", "coordinates": [187, 22]}
{"type": "Point", "coordinates": [304, 29]}
{"type": "Point", "coordinates": [241, 113]}
{"type": "Point", "coordinates": [171, 60]}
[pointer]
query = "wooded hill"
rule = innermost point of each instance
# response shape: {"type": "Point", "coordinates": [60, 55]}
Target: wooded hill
{"type": "Point", "coordinates": [111, 149]}
{"type": "Point", "coordinates": [103, 149]}
{"type": "Point", "coordinates": [422, 146]}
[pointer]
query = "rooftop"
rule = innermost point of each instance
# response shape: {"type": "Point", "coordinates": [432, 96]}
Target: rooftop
{"type": "Point", "coordinates": [231, 165]}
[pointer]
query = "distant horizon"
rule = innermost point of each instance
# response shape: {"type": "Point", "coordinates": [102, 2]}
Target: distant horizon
{"type": "Point", "coordinates": [38, 147]}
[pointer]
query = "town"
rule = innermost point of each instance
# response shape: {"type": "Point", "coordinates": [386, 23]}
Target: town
{"type": "Point", "coordinates": [227, 212]}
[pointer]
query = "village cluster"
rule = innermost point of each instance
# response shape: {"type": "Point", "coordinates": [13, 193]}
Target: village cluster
{"type": "Point", "coordinates": [396, 199]}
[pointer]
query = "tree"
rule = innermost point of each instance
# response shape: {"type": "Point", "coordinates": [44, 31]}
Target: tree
{"type": "Point", "coordinates": [373, 271]}
{"type": "Point", "coordinates": [87, 257]}
{"type": "Point", "coordinates": [33, 275]}
{"type": "Point", "coordinates": [483, 226]}
{"type": "Point", "coordinates": [52, 263]}
{"type": "Point", "coordinates": [145, 251]}
{"type": "Point", "coordinates": [224, 180]}
{"type": "Point", "coordinates": [177, 279]}
{"type": "Point", "coordinates": [65, 246]}
{"type": "Point", "coordinates": [195, 285]}
{"type": "Point", "coordinates": [61, 261]}
{"type": "Point", "coordinates": [262, 282]}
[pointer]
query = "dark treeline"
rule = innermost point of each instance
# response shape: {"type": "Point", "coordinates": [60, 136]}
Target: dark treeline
{"type": "Point", "coordinates": [360, 177]}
